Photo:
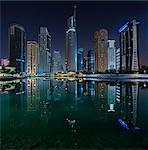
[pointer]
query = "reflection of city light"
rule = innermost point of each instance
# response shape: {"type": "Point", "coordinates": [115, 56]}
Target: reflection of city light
{"type": "Point", "coordinates": [144, 85]}
{"type": "Point", "coordinates": [111, 108]}
{"type": "Point", "coordinates": [123, 124]}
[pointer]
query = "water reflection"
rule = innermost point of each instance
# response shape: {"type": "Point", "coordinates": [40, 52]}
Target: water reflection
{"type": "Point", "coordinates": [55, 104]}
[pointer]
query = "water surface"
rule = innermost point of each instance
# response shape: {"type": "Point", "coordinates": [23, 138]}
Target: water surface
{"type": "Point", "coordinates": [44, 113]}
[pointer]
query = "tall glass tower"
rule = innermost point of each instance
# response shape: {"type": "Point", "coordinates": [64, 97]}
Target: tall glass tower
{"type": "Point", "coordinates": [32, 57]}
{"type": "Point", "coordinates": [44, 51]}
{"type": "Point", "coordinates": [80, 56]}
{"type": "Point", "coordinates": [71, 43]}
{"type": "Point", "coordinates": [17, 47]}
{"type": "Point", "coordinates": [101, 50]}
{"type": "Point", "coordinates": [129, 54]}
{"type": "Point", "coordinates": [111, 55]}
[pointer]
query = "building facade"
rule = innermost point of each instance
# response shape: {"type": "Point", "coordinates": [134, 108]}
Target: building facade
{"type": "Point", "coordinates": [57, 62]}
{"type": "Point", "coordinates": [111, 55]}
{"type": "Point", "coordinates": [85, 63]}
{"type": "Point", "coordinates": [5, 62]}
{"type": "Point", "coordinates": [71, 43]}
{"type": "Point", "coordinates": [44, 51]}
{"type": "Point", "coordinates": [80, 57]}
{"type": "Point", "coordinates": [129, 56]}
{"type": "Point", "coordinates": [17, 47]}
{"type": "Point", "coordinates": [91, 61]}
{"type": "Point", "coordinates": [32, 57]}
{"type": "Point", "coordinates": [101, 50]}
{"type": "Point", "coordinates": [118, 60]}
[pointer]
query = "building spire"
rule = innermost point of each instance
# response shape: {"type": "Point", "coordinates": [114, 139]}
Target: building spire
{"type": "Point", "coordinates": [74, 14]}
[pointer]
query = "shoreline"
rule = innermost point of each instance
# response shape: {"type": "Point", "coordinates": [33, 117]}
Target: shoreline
{"type": "Point", "coordinates": [95, 76]}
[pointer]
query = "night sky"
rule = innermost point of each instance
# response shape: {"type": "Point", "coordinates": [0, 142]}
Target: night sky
{"type": "Point", "coordinates": [90, 16]}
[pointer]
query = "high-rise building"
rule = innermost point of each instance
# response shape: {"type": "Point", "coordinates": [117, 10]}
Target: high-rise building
{"type": "Point", "coordinates": [118, 60]}
{"type": "Point", "coordinates": [91, 61]}
{"type": "Point", "coordinates": [44, 51]}
{"type": "Point", "coordinates": [5, 62]}
{"type": "Point", "coordinates": [85, 64]}
{"type": "Point", "coordinates": [17, 47]}
{"type": "Point", "coordinates": [111, 55]}
{"type": "Point", "coordinates": [32, 57]}
{"type": "Point", "coordinates": [101, 50]}
{"type": "Point", "coordinates": [80, 57]}
{"type": "Point", "coordinates": [71, 43]}
{"type": "Point", "coordinates": [57, 62]}
{"type": "Point", "coordinates": [129, 56]}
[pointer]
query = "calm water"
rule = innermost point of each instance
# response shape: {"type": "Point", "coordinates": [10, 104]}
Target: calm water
{"type": "Point", "coordinates": [39, 113]}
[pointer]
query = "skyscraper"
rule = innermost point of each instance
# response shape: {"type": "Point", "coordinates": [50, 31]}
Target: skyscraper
{"type": "Point", "coordinates": [85, 63]}
{"type": "Point", "coordinates": [17, 47]}
{"type": "Point", "coordinates": [80, 56]}
{"type": "Point", "coordinates": [57, 62]}
{"type": "Point", "coordinates": [101, 50]}
{"type": "Point", "coordinates": [118, 60]}
{"type": "Point", "coordinates": [129, 56]}
{"type": "Point", "coordinates": [91, 61]}
{"type": "Point", "coordinates": [44, 51]}
{"type": "Point", "coordinates": [111, 55]}
{"type": "Point", "coordinates": [32, 57]}
{"type": "Point", "coordinates": [4, 62]}
{"type": "Point", "coordinates": [71, 43]}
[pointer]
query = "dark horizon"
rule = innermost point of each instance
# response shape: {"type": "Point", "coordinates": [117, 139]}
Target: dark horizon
{"type": "Point", "coordinates": [90, 16]}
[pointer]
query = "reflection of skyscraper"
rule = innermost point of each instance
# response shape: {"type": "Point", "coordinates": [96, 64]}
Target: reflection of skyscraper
{"type": "Point", "coordinates": [44, 51]}
{"type": "Point", "coordinates": [80, 56]}
{"type": "Point", "coordinates": [100, 50]}
{"type": "Point", "coordinates": [129, 47]}
{"type": "Point", "coordinates": [111, 98]}
{"type": "Point", "coordinates": [32, 57]}
{"type": "Point", "coordinates": [101, 95]}
{"type": "Point", "coordinates": [17, 47]}
{"type": "Point", "coordinates": [129, 102]}
{"type": "Point", "coordinates": [32, 95]}
{"type": "Point", "coordinates": [91, 61]}
{"type": "Point", "coordinates": [111, 55]}
{"type": "Point", "coordinates": [71, 43]}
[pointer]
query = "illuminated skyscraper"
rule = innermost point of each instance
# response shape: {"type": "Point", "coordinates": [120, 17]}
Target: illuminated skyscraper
{"type": "Point", "coordinates": [5, 62]}
{"type": "Point", "coordinates": [101, 50]}
{"type": "Point", "coordinates": [111, 55]}
{"type": "Point", "coordinates": [71, 43]}
{"type": "Point", "coordinates": [90, 61]}
{"type": "Point", "coordinates": [44, 51]}
{"type": "Point", "coordinates": [129, 56]}
{"type": "Point", "coordinates": [17, 47]}
{"type": "Point", "coordinates": [80, 56]}
{"type": "Point", "coordinates": [56, 62]}
{"type": "Point", "coordinates": [85, 63]}
{"type": "Point", "coordinates": [32, 57]}
{"type": "Point", "coordinates": [117, 60]}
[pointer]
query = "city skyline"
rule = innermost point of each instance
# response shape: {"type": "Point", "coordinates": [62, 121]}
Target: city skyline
{"type": "Point", "coordinates": [86, 25]}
